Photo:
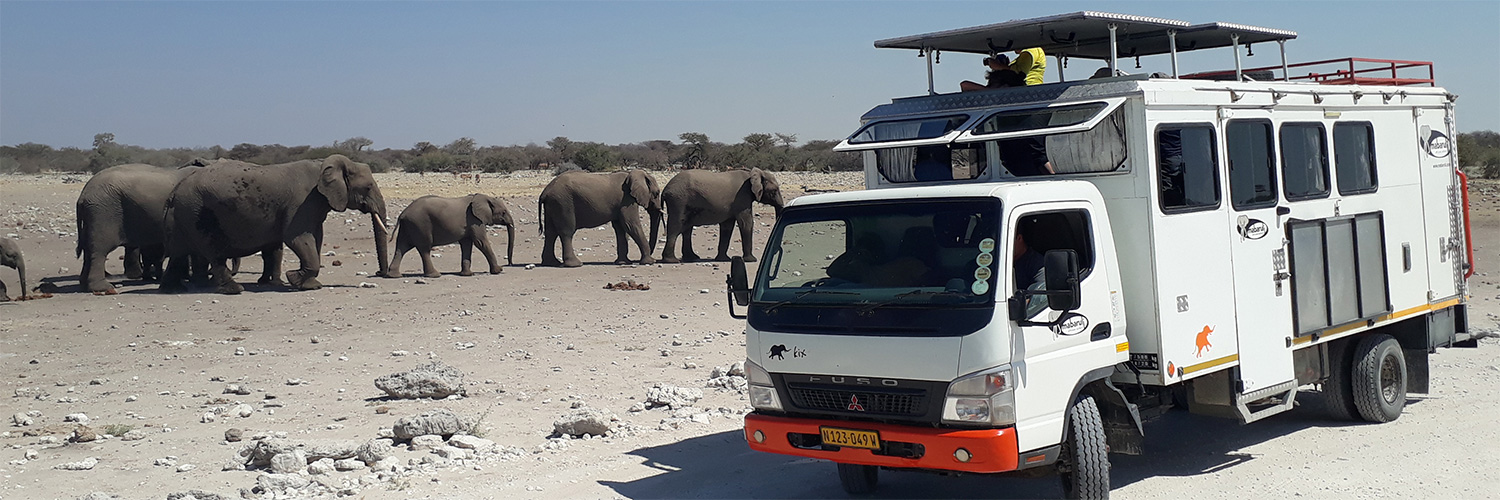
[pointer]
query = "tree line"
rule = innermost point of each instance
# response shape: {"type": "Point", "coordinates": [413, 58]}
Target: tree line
{"type": "Point", "coordinates": [692, 150]}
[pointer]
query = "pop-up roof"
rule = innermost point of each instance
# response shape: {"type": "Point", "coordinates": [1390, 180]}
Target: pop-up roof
{"type": "Point", "coordinates": [1087, 35]}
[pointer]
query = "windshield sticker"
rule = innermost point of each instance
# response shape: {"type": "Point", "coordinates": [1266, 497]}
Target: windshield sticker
{"type": "Point", "coordinates": [985, 259]}
{"type": "Point", "coordinates": [982, 274]}
{"type": "Point", "coordinates": [980, 287]}
{"type": "Point", "coordinates": [987, 245]}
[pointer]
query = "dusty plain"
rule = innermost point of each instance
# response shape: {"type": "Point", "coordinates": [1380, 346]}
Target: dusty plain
{"type": "Point", "coordinates": [534, 343]}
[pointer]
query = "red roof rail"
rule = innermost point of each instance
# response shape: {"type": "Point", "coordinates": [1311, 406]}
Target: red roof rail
{"type": "Point", "coordinates": [1346, 71]}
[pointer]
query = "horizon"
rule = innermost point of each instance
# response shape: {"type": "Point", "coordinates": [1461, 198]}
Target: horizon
{"type": "Point", "coordinates": [201, 74]}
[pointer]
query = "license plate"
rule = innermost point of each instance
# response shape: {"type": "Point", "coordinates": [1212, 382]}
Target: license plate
{"type": "Point", "coordinates": [869, 440]}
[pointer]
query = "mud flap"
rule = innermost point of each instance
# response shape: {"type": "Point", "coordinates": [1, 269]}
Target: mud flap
{"type": "Point", "coordinates": [1123, 431]}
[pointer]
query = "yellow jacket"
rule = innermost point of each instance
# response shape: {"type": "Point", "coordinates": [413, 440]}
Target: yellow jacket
{"type": "Point", "coordinates": [1031, 63]}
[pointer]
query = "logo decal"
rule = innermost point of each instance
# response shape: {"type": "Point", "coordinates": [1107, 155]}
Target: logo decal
{"type": "Point", "coordinates": [776, 351]}
{"type": "Point", "coordinates": [854, 404]}
{"type": "Point", "coordinates": [1438, 145]}
{"type": "Point", "coordinates": [1251, 229]}
{"type": "Point", "coordinates": [1203, 344]}
{"type": "Point", "coordinates": [1073, 324]}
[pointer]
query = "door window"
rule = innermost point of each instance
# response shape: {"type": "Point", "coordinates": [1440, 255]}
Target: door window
{"type": "Point", "coordinates": [1304, 161]}
{"type": "Point", "coordinates": [1038, 233]}
{"type": "Point", "coordinates": [1354, 157]}
{"type": "Point", "coordinates": [1252, 167]}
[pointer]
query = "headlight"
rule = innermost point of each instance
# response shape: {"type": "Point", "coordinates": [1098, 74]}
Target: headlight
{"type": "Point", "coordinates": [986, 397]}
{"type": "Point", "coordinates": [762, 391]}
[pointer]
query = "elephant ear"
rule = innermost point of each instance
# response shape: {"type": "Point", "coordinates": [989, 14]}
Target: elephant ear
{"type": "Point", "coordinates": [637, 183]}
{"type": "Point", "coordinates": [333, 184]}
{"type": "Point", "coordinates": [757, 182]}
{"type": "Point", "coordinates": [480, 208]}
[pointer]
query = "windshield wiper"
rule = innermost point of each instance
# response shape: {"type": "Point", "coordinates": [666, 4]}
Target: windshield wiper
{"type": "Point", "coordinates": [804, 293]}
{"type": "Point", "coordinates": [871, 306]}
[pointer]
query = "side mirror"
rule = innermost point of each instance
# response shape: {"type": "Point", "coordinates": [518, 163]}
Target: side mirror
{"type": "Point", "coordinates": [739, 285]}
{"type": "Point", "coordinates": [1062, 279]}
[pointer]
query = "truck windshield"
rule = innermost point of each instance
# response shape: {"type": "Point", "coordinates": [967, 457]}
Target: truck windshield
{"type": "Point", "coordinates": [920, 253]}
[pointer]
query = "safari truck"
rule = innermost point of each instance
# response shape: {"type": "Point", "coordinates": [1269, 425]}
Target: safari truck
{"type": "Point", "coordinates": [1034, 270]}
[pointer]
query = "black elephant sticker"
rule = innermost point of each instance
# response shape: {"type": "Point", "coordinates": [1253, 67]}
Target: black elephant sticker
{"type": "Point", "coordinates": [777, 351]}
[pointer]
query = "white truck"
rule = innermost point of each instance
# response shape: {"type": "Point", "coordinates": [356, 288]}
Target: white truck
{"type": "Point", "coordinates": [1034, 270]}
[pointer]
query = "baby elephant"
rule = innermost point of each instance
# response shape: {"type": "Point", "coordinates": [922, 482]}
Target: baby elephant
{"type": "Point", "coordinates": [10, 256]}
{"type": "Point", "coordinates": [434, 221]}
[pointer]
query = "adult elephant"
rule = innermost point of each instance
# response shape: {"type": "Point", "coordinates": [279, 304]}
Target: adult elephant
{"type": "Point", "coordinates": [701, 198]}
{"type": "Point", "coordinates": [234, 209]}
{"type": "Point", "coordinates": [124, 206]}
{"type": "Point", "coordinates": [576, 200]}
{"type": "Point", "coordinates": [10, 256]}
{"type": "Point", "coordinates": [432, 221]}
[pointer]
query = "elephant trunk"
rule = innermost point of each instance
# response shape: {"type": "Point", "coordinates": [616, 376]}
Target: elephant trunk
{"type": "Point", "coordinates": [510, 243]}
{"type": "Point", "coordinates": [656, 214]}
{"type": "Point", "coordinates": [378, 222]}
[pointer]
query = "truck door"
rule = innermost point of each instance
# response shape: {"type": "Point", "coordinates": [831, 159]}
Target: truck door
{"type": "Point", "coordinates": [1439, 203]}
{"type": "Point", "coordinates": [1258, 250]}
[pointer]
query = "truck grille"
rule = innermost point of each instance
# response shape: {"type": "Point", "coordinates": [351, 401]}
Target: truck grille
{"type": "Point", "coordinates": [905, 403]}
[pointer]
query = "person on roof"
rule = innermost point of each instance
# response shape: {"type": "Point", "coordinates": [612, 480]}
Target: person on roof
{"type": "Point", "coordinates": [994, 79]}
{"type": "Point", "coordinates": [1032, 63]}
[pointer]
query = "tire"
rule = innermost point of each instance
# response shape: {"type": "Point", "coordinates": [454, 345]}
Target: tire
{"type": "Point", "coordinates": [1338, 390]}
{"type": "Point", "coordinates": [859, 479]}
{"type": "Point", "coordinates": [1379, 378]}
{"type": "Point", "coordinates": [1085, 467]}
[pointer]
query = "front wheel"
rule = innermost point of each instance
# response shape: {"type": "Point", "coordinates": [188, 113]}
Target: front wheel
{"type": "Point", "coordinates": [1084, 465]}
{"type": "Point", "coordinates": [859, 479]}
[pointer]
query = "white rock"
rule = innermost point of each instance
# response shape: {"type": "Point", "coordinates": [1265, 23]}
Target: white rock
{"type": "Point", "coordinates": [366, 284]}
{"type": "Point", "coordinates": [348, 464]}
{"type": "Point", "coordinates": [289, 463]}
{"type": "Point", "coordinates": [167, 461]}
{"type": "Point", "coordinates": [208, 418]}
{"type": "Point", "coordinates": [470, 442]}
{"type": "Point", "coordinates": [21, 420]}
{"type": "Point", "coordinates": [76, 417]}
{"type": "Point", "coordinates": [281, 482]}
{"type": "Point", "coordinates": [451, 452]}
{"type": "Point", "coordinates": [186, 467]}
{"type": "Point", "coordinates": [321, 467]}
{"type": "Point", "coordinates": [31, 455]}
{"type": "Point", "coordinates": [243, 410]}
{"type": "Point", "coordinates": [85, 464]}
{"type": "Point", "coordinates": [426, 442]}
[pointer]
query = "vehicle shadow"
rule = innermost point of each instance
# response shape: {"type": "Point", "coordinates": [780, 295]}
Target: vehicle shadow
{"type": "Point", "coordinates": [1178, 444]}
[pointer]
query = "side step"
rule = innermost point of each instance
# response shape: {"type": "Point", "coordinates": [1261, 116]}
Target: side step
{"type": "Point", "coordinates": [1213, 395]}
{"type": "Point", "coordinates": [1267, 400]}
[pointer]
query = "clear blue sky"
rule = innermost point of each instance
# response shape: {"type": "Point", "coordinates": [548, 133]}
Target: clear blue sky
{"type": "Point", "coordinates": [173, 74]}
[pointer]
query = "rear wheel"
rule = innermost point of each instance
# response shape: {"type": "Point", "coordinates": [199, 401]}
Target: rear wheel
{"type": "Point", "coordinates": [1379, 378]}
{"type": "Point", "coordinates": [859, 479]}
{"type": "Point", "coordinates": [1085, 455]}
{"type": "Point", "coordinates": [1338, 390]}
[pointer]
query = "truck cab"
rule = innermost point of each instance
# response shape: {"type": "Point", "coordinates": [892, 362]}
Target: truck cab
{"type": "Point", "coordinates": [1033, 270]}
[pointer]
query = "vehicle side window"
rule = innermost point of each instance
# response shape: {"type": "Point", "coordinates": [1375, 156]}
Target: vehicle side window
{"type": "Point", "coordinates": [1187, 166]}
{"type": "Point", "coordinates": [1304, 161]}
{"type": "Point", "coordinates": [1354, 157]}
{"type": "Point", "coordinates": [1035, 235]}
{"type": "Point", "coordinates": [1252, 164]}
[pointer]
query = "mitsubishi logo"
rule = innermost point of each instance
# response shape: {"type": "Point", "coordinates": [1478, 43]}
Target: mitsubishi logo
{"type": "Point", "coordinates": [854, 404]}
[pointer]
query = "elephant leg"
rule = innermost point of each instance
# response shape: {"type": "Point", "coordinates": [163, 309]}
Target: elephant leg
{"type": "Point", "coordinates": [200, 270]}
{"type": "Point", "coordinates": [466, 256]}
{"type": "Point", "coordinates": [234, 266]}
{"type": "Point", "coordinates": [94, 279]}
{"type": "Point", "coordinates": [172, 276]}
{"type": "Point", "coordinates": [725, 228]}
{"type": "Point", "coordinates": [151, 259]}
{"type": "Point", "coordinates": [402, 246]}
{"type": "Point", "coordinates": [305, 247]}
{"type": "Point", "coordinates": [622, 245]}
{"type": "Point", "coordinates": [635, 232]}
{"type": "Point", "coordinates": [270, 258]}
{"type": "Point", "coordinates": [482, 240]}
{"type": "Point", "coordinates": [549, 257]}
{"type": "Point", "coordinates": [133, 262]}
{"type": "Point", "coordinates": [688, 255]}
{"type": "Point", "coordinates": [3, 296]}
{"type": "Point", "coordinates": [428, 268]}
{"type": "Point", "coordinates": [746, 221]}
{"type": "Point", "coordinates": [223, 280]}
{"type": "Point", "coordinates": [570, 256]}
{"type": "Point", "coordinates": [674, 230]}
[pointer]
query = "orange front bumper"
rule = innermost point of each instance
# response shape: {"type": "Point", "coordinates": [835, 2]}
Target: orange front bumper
{"type": "Point", "coordinates": [992, 450]}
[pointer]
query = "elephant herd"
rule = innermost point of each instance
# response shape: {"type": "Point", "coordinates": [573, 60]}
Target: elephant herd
{"type": "Point", "coordinates": [187, 225]}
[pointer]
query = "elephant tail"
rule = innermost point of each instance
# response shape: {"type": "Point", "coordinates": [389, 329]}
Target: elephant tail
{"type": "Point", "coordinates": [394, 232]}
{"type": "Point", "coordinates": [540, 227]}
{"type": "Point", "coordinates": [85, 222]}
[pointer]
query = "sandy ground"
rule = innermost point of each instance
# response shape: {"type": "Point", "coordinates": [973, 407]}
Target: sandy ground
{"type": "Point", "coordinates": [533, 343]}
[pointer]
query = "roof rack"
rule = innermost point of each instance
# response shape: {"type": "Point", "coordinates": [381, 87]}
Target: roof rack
{"type": "Point", "coordinates": [1093, 35]}
{"type": "Point", "coordinates": [1346, 71]}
